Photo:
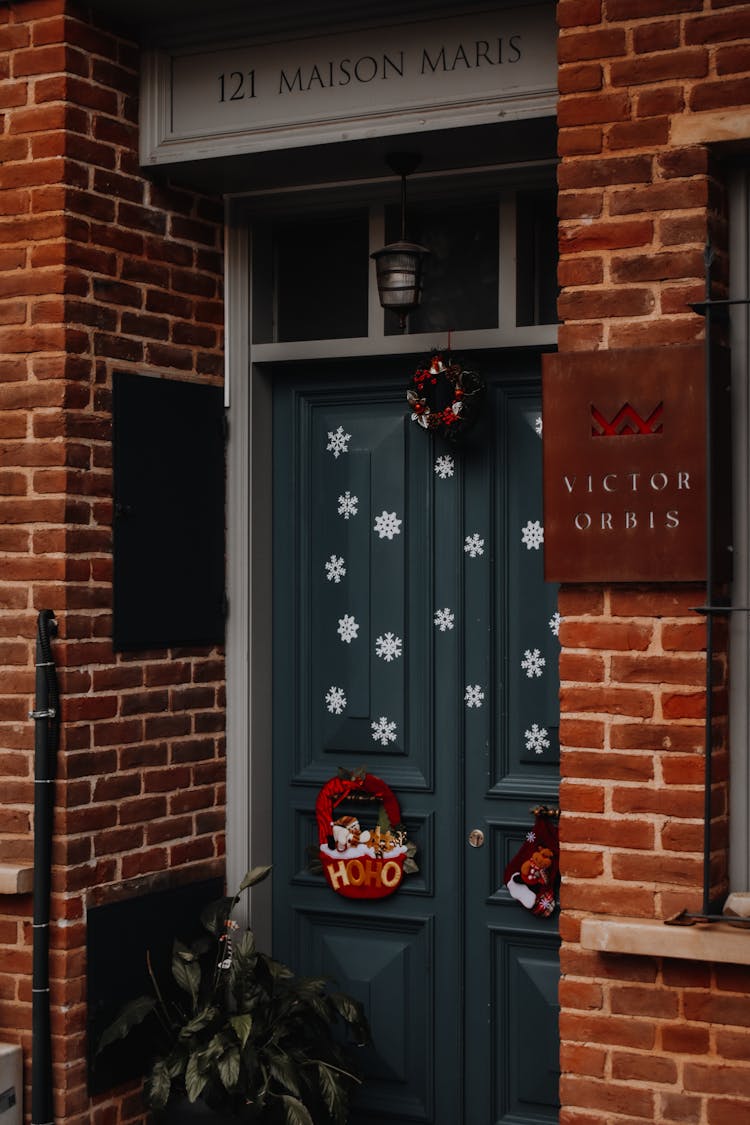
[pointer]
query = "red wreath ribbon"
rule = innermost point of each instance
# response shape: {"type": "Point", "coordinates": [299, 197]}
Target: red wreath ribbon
{"type": "Point", "coordinates": [338, 789]}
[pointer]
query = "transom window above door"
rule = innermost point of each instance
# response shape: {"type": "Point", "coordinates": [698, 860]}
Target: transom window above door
{"type": "Point", "coordinates": [489, 279]}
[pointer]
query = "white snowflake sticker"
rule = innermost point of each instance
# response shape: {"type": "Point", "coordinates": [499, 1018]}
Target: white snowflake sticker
{"type": "Point", "coordinates": [533, 662]}
{"type": "Point", "coordinates": [444, 466]}
{"type": "Point", "coordinates": [338, 442]}
{"type": "Point", "coordinates": [387, 525]}
{"type": "Point", "coordinates": [383, 731]}
{"type": "Point", "coordinates": [348, 629]}
{"type": "Point", "coordinates": [536, 738]}
{"type": "Point", "coordinates": [388, 647]}
{"type": "Point", "coordinates": [335, 700]}
{"type": "Point", "coordinates": [538, 425]}
{"type": "Point", "coordinates": [554, 623]}
{"type": "Point", "coordinates": [444, 619]}
{"type": "Point", "coordinates": [532, 535]}
{"type": "Point", "coordinates": [473, 545]}
{"type": "Point", "coordinates": [335, 569]}
{"type": "Point", "coordinates": [473, 696]}
{"type": "Point", "coordinates": [348, 505]}
{"type": "Point", "coordinates": [531, 837]}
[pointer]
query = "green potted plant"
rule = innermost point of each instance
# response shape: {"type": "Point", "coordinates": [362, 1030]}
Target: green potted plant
{"type": "Point", "coordinates": [245, 1038]}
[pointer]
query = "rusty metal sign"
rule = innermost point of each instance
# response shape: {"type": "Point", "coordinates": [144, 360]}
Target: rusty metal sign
{"type": "Point", "coordinates": [625, 465]}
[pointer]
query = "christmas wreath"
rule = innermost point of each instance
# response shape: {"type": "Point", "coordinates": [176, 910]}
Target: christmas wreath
{"type": "Point", "coordinates": [444, 396]}
{"type": "Point", "coordinates": [362, 862]}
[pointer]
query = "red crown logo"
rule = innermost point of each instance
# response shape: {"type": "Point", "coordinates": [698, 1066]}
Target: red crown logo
{"type": "Point", "coordinates": [626, 422]}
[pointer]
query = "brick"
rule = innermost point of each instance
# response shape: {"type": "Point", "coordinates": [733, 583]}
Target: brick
{"type": "Point", "coordinates": [719, 27]}
{"type": "Point", "coordinates": [590, 765]}
{"type": "Point", "coordinates": [580, 141]}
{"type": "Point", "coordinates": [684, 1039]}
{"type": "Point", "coordinates": [712, 1079]}
{"type": "Point", "coordinates": [578, 1058]}
{"type": "Point", "coordinates": [604, 172]}
{"type": "Point", "coordinates": [607, 898]}
{"type": "Point", "coordinates": [734, 59]}
{"type": "Point", "coordinates": [580, 994]}
{"type": "Point", "coordinates": [726, 1111]}
{"type": "Point", "coordinates": [720, 95]}
{"type": "Point", "coordinates": [580, 271]}
{"type": "Point", "coordinates": [679, 871]}
{"type": "Point", "coordinates": [578, 864]}
{"type": "Point", "coordinates": [590, 304]}
{"type": "Point", "coordinates": [680, 1107]}
{"type": "Point", "coordinates": [663, 35]}
{"type": "Point", "coordinates": [641, 9]}
{"type": "Point", "coordinates": [719, 1009]}
{"type": "Point", "coordinates": [581, 667]}
{"type": "Point", "coordinates": [608, 700]}
{"type": "Point", "coordinates": [659, 197]}
{"type": "Point", "coordinates": [593, 109]}
{"type": "Point", "coordinates": [653, 132]}
{"type": "Point", "coordinates": [582, 732]}
{"type": "Point", "coordinates": [600, 44]}
{"type": "Point", "coordinates": [575, 13]}
{"type": "Point", "coordinates": [607, 1096]}
{"type": "Point", "coordinates": [605, 235]}
{"type": "Point", "coordinates": [580, 204]}
{"type": "Point", "coordinates": [579, 78]}
{"type": "Point", "coordinates": [643, 669]}
{"type": "Point", "coordinates": [643, 1068]}
{"type": "Point", "coordinates": [687, 63]}
{"type": "Point", "coordinates": [657, 267]}
{"type": "Point", "coordinates": [628, 833]}
{"type": "Point", "coordinates": [605, 634]}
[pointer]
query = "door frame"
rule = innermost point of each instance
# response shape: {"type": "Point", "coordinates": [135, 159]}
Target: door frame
{"type": "Point", "coordinates": [248, 401]}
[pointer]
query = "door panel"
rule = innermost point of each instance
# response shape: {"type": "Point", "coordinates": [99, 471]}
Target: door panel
{"type": "Point", "coordinates": [412, 636]}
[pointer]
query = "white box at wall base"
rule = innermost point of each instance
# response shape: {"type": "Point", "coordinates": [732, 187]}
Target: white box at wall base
{"type": "Point", "coordinates": [11, 1084]}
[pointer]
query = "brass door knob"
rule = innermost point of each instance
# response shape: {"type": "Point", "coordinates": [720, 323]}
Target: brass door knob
{"type": "Point", "coordinates": [476, 837]}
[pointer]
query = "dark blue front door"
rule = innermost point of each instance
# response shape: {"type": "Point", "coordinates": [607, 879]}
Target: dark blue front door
{"type": "Point", "coordinates": [414, 636]}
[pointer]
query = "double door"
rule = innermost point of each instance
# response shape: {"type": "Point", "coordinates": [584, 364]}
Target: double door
{"type": "Point", "coordinates": [415, 637]}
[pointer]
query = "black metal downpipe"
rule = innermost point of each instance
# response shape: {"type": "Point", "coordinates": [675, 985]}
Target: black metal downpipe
{"type": "Point", "coordinates": [46, 716]}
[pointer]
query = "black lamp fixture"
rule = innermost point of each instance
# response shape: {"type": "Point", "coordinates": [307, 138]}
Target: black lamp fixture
{"type": "Point", "coordinates": [399, 264]}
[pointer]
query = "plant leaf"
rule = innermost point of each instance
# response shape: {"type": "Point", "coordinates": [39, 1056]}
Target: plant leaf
{"type": "Point", "coordinates": [242, 1026]}
{"type": "Point", "coordinates": [285, 1073]}
{"type": "Point", "coordinates": [215, 914]}
{"type": "Point", "coordinates": [331, 1091]}
{"type": "Point", "coordinates": [295, 1111]}
{"type": "Point", "coordinates": [157, 1086]}
{"type": "Point", "coordinates": [229, 1067]}
{"type": "Point", "coordinates": [195, 1077]}
{"type": "Point", "coordinates": [198, 1022]}
{"type": "Point", "coordinates": [255, 875]}
{"type": "Point", "coordinates": [129, 1017]}
{"type": "Point", "coordinates": [186, 971]}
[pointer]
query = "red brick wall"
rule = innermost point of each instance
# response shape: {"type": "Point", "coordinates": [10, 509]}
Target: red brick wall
{"type": "Point", "coordinates": [642, 1038]}
{"type": "Point", "coordinates": [100, 270]}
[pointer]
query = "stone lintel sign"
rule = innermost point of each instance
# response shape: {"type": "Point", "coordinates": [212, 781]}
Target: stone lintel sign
{"type": "Point", "coordinates": [625, 465]}
{"type": "Point", "coordinates": [254, 95]}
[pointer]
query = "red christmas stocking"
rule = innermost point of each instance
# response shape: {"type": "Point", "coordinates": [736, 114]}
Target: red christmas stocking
{"type": "Point", "coordinates": [531, 876]}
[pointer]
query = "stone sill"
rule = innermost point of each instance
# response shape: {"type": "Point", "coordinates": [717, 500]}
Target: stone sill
{"type": "Point", "coordinates": [16, 879]}
{"type": "Point", "coordinates": [646, 937]}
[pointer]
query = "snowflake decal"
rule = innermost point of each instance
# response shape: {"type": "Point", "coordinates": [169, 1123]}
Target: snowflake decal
{"type": "Point", "coordinates": [536, 738]}
{"type": "Point", "coordinates": [348, 629]}
{"type": "Point", "coordinates": [473, 545]}
{"type": "Point", "coordinates": [530, 837]}
{"type": "Point", "coordinates": [335, 569]}
{"type": "Point", "coordinates": [444, 466]}
{"type": "Point", "coordinates": [348, 505]}
{"type": "Point", "coordinates": [533, 662]}
{"type": "Point", "coordinates": [338, 442]}
{"type": "Point", "coordinates": [383, 731]}
{"type": "Point", "coordinates": [538, 425]}
{"type": "Point", "coordinates": [335, 700]}
{"type": "Point", "coordinates": [532, 535]}
{"type": "Point", "coordinates": [387, 525]}
{"type": "Point", "coordinates": [388, 647]}
{"type": "Point", "coordinates": [554, 623]}
{"type": "Point", "coordinates": [473, 696]}
{"type": "Point", "coordinates": [444, 619]}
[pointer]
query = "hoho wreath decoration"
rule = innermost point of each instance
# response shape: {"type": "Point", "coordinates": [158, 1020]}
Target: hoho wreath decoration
{"type": "Point", "coordinates": [444, 397]}
{"type": "Point", "coordinates": [359, 862]}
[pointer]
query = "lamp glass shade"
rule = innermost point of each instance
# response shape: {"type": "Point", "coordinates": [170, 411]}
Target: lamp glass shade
{"type": "Point", "coordinates": [398, 268]}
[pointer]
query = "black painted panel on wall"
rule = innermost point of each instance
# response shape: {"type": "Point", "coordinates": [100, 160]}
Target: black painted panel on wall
{"type": "Point", "coordinates": [118, 936]}
{"type": "Point", "coordinates": [168, 513]}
